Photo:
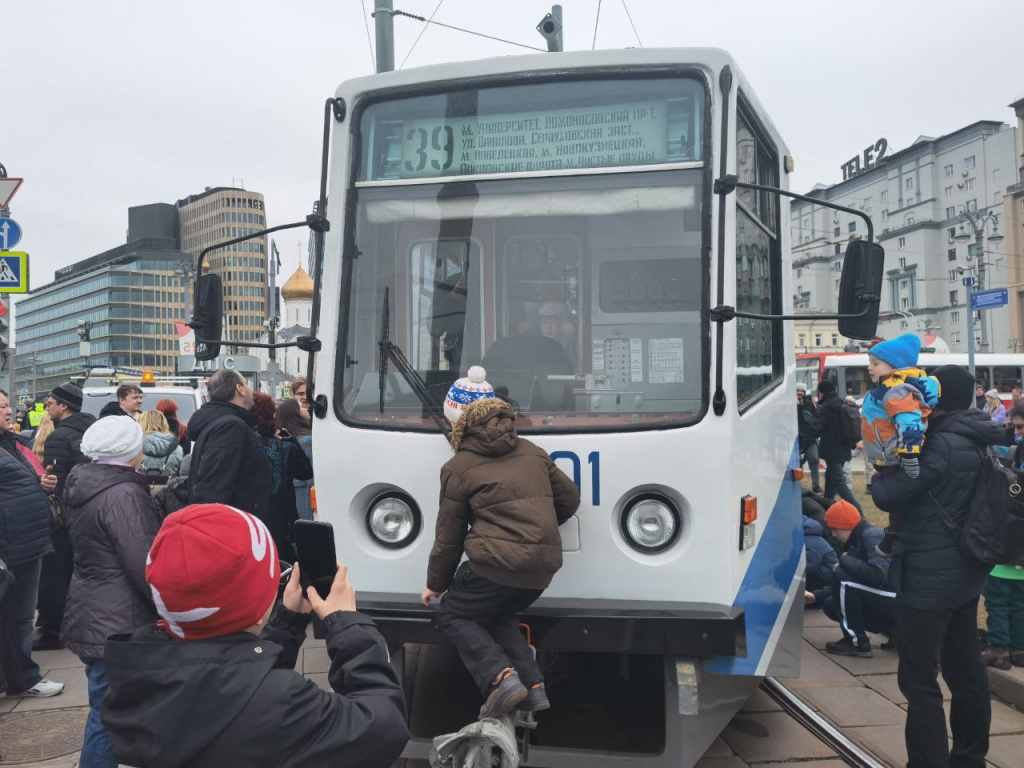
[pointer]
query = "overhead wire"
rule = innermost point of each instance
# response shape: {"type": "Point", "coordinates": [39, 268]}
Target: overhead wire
{"type": "Point", "coordinates": [369, 41]}
{"type": "Point", "coordinates": [630, 17]}
{"type": "Point", "coordinates": [467, 31]}
{"type": "Point", "coordinates": [597, 21]}
{"type": "Point", "coordinates": [422, 32]}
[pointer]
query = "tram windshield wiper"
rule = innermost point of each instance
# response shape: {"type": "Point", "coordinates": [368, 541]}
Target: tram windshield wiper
{"type": "Point", "coordinates": [391, 351]}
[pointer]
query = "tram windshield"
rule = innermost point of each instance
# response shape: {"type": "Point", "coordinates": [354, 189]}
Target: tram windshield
{"type": "Point", "coordinates": [582, 294]}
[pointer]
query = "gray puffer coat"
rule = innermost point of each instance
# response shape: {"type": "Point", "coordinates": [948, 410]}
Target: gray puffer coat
{"type": "Point", "coordinates": [161, 453]}
{"type": "Point", "coordinates": [113, 521]}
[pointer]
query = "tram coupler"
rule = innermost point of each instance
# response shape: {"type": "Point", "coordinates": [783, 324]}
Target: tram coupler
{"type": "Point", "coordinates": [487, 743]}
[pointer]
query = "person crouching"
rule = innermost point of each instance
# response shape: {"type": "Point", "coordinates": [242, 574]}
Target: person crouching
{"type": "Point", "coordinates": [502, 500]}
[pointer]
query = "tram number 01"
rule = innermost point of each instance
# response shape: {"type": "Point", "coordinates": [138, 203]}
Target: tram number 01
{"type": "Point", "coordinates": [594, 460]}
{"type": "Point", "coordinates": [441, 139]}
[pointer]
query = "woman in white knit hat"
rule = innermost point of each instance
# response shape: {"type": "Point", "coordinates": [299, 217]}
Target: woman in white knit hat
{"type": "Point", "coordinates": [112, 520]}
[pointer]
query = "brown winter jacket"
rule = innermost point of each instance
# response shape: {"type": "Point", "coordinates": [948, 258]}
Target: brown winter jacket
{"type": "Point", "coordinates": [502, 500]}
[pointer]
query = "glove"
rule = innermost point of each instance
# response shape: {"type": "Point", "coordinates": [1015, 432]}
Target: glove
{"type": "Point", "coordinates": [911, 467]}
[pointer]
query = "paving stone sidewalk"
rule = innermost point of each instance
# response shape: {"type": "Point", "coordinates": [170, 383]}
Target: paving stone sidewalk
{"type": "Point", "coordinates": [859, 695]}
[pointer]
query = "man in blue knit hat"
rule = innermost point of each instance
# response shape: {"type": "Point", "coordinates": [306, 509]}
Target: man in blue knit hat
{"type": "Point", "coordinates": [895, 413]}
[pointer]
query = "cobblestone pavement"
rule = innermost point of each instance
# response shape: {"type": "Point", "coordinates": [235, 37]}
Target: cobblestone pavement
{"type": "Point", "coordinates": [860, 695]}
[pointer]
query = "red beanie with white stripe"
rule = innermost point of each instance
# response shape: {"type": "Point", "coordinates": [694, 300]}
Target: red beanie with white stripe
{"type": "Point", "coordinates": [213, 570]}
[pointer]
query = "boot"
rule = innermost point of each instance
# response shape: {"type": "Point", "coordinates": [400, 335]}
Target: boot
{"type": "Point", "coordinates": [505, 693]}
{"type": "Point", "coordinates": [997, 657]}
{"type": "Point", "coordinates": [1017, 657]}
{"type": "Point", "coordinates": [536, 699]}
{"type": "Point", "coordinates": [48, 641]}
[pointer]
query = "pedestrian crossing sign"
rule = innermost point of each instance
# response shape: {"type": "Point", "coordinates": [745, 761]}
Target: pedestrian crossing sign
{"type": "Point", "coordinates": [13, 272]}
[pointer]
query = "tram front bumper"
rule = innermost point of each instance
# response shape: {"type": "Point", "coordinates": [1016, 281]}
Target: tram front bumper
{"type": "Point", "coordinates": [588, 625]}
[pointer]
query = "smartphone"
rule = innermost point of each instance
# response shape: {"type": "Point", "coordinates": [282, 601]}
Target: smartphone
{"type": "Point", "coordinates": [314, 549]}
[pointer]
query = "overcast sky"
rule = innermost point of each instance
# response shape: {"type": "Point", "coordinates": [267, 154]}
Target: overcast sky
{"type": "Point", "coordinates": [117, 103]}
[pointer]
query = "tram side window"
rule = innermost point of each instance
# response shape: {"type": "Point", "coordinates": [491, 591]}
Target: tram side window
{"type": "Point", "coordinates": [758, 342]}
{"type": "Point", "coordinates": [1006, 377]}
{"type": "Point", "coordinates": [857, 383]}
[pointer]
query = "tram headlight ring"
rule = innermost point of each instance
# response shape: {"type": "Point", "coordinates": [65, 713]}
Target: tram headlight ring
{"type": "Point", "coordinates": [650, 523]}
{"type": "Point", "coordinates": [393, 519]}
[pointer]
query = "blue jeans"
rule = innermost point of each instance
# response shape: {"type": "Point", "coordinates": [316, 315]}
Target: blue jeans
{"type": "Point", "coordinates": [19, 609]}
{"type": "Point", "coordinates": [835, 482]}
{"type": "Point", "coordinates": [96, 749]}
{"type": "Point", "coordinates": [811, 457]}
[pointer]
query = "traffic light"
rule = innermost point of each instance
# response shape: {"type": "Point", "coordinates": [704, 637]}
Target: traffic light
{"type": "Point", "coordinates": [5, 326]}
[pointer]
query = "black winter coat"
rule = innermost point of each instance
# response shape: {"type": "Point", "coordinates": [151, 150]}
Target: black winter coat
{"type": "Point", "coordinates": [236, 699]}
{"type": "Point", "coordinates": [112, 521]}
{"type": "Point", "coordinates": [804, 414]}
{"type": "Point", "coordinates": [931, 574]}
{"type": "Point", "coordinates": [113, 408]}
{"type": "Point", "coordinates": [229, 465]}
{"type": "Point", "coordinates": [63, 448]}
{"type": "Point", "coordinates": [861, 563]}
{"type": "Point", "coordinates": [826, 424]}
{"type": "Point", "coordinates": [24, 508]}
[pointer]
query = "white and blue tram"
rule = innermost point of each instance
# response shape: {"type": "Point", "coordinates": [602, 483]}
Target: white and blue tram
{"type": "Point", "coordinates": [555, 219]}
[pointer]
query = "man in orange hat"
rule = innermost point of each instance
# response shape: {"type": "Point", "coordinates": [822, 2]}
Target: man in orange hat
{"type": "Point", "coordinates": [860, 599]}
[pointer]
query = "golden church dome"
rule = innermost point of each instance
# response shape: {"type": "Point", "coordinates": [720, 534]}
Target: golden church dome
{"type": "Point", "coordinates": [299, 286]}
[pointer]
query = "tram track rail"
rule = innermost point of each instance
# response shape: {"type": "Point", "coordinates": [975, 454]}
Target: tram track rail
{"type": "Point", "coordinates": [850, 752]}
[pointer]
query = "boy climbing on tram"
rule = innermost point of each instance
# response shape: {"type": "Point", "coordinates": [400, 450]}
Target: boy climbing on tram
{"type": "Point", "coordinates": [502, 500]}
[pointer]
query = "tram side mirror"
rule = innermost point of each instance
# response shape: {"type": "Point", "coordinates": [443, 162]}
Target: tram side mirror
{"type": "Point", "coordinates": [860, 290]}
{"type": "Point", "coordinates": [210, 314]}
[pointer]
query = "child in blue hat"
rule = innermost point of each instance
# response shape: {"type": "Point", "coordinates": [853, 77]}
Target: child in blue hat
{"type": "Point", "coordinates": [895, 413]}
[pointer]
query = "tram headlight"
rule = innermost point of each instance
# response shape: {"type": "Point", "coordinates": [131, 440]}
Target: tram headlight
{"type": "Point", "coordinates": [393, 520]}
{"type": "Point", "coordinates": [650, 523]}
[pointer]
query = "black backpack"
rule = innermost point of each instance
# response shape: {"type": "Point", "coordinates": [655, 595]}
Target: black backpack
{"type": "Point", "coordinates": [993, 531]}
{"type": "Point", "coordinates": [849, 422]}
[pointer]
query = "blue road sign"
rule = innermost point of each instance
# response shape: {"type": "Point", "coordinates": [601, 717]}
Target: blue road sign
{"type": "Point", "coordinates": [968, 281]}
{"type": "Point", "coordinates": [10, 234]}
{"type": "Point", "coordinates": [990, 299]}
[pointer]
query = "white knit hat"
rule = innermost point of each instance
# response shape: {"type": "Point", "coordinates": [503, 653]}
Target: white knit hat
{"type": "Point", "coordinates": [114, 438]}
{"type": "Point", "coordinates": [465, 391]}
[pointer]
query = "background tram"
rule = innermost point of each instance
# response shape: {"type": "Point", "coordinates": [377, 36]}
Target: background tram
{"type": "Point", "coordinates": [555, 219]}
{"type": "Point", "coordinates": [848, 371]}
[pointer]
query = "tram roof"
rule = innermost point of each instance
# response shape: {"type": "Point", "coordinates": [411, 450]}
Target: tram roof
{"type": "Point", "coordinates": [712, 60]}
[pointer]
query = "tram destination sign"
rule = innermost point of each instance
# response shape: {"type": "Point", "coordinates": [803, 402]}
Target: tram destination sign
{"type": "Point", "coordinates": [552, 140]}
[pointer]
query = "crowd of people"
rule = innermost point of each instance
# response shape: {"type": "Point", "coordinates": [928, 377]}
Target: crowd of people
{"type": "Point", "coordinates": [83, 500]}
{"type": "Point", "coordinates": [923, 438]}
{"type": "Point", "coordinates": [180, 609]}
{"type": "Point", "coordinates": [152, 550]}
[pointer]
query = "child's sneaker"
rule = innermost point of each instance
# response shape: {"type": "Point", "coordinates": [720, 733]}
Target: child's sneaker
{"type": "Point", "coordinates": [505, 693]}
{"type": "Point", "coordinates": [1017, 657]}
{"type": "Point", "coordinates": [885, 546]}
{"type": "Point", "coordinates": [536, 699]}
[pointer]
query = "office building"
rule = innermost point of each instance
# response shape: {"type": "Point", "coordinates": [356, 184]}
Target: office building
{"type": "Point", "coordinates": [224, 213]}
{"type": "Point", "coordinates": [129, 297]}
{"type": "Point", "coordinates": [1013, 214]}
{"type": "Point", "coordinates": [916, 200]}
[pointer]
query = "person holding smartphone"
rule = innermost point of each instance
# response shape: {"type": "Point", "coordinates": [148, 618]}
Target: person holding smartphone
{"type": "Point", "coordinates": [213, 682]}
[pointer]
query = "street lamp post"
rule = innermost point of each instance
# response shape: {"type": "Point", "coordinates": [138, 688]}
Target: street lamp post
{"type": "Point", "coordinates": [969, 285]}
{"type": "Point", "coordinates": [978, 221]}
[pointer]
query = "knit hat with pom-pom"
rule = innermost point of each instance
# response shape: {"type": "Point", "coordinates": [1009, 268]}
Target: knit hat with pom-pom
{"type": "Point", "coordinates": [465, 391]}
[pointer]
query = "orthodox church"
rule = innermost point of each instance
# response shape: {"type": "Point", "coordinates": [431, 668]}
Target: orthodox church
{"type": "Point", "coordinates": [296, 313]}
